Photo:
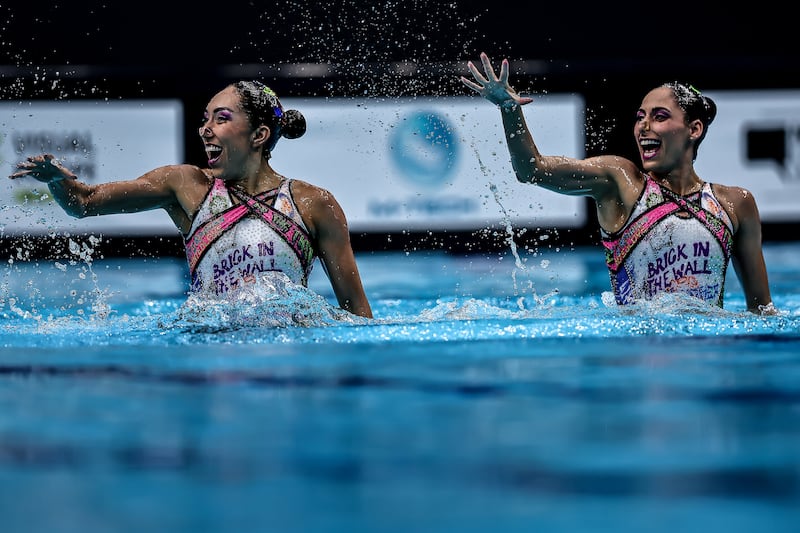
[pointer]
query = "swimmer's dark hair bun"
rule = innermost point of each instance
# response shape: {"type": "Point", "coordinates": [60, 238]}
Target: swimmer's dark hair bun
{"type": "Point", "coordinates": [711, 109]}
{"type": "Point", "coordinates": [294, 124]}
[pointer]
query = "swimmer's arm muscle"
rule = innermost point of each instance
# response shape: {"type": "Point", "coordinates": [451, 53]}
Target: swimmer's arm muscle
{"type": "Point", "coordinates": [326, 221]}
{"type": "Point", "coordinates": [597, 177]}
{"type": "Point", "coordinates": [748, 256]}
{"type": "Point", "coordinates": [155, 189]}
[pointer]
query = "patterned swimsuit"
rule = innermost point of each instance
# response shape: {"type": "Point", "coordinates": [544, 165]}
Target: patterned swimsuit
{"type": "Point", "coordinates": [234, 243]}
{"type": "Point", "coordinates": [671, 243]}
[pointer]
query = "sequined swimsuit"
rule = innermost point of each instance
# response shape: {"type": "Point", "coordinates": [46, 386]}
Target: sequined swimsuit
{"type": "Point", "coordinates": [671, 243]}
{"type": "Point", "coordinates": [233, 243]}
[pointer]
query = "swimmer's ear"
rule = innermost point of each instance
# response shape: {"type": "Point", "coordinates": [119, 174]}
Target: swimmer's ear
{"type": "Point", "coordinates": [260, 136]}
{"type": "Point", "coordinates": [696, 129]}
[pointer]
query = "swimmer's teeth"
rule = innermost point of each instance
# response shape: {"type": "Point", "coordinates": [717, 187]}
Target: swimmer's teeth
{"type": "Point", "coordinates": [649, 146]}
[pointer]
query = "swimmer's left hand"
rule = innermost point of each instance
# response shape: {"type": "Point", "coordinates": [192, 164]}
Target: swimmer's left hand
{"type": "Point", "coordinates": [492, 87]}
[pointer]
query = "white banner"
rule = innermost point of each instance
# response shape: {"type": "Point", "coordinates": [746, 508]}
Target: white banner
{"type": "Point", "coordinates": [413, 164]}
{"type": "Point", "coordinates": [431, 163]}
{"type": "Point", "coordinates": [100, 141]}
{"type": "Point", "coordinates": [754, 142]}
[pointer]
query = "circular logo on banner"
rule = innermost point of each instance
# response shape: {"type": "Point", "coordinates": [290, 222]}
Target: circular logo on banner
{"type": "Point", "coordinates": [424, 148]}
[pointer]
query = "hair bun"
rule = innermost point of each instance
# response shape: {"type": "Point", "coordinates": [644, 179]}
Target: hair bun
{"type": "Point", "coordinates": [294, 124]}
{"type": "Point", "coordinates": [711, 109]}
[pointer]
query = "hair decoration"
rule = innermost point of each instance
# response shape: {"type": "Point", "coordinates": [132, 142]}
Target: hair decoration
{"type": "Point", "coordinates": [273, 101]}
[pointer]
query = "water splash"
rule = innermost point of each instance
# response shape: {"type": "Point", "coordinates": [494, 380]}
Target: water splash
{"type": "Point", "coordinates": [27, 289]}
{"type": "Point", "coordinates": [509, 232]}
{"type": "Point", "coordinates": [273, 302]}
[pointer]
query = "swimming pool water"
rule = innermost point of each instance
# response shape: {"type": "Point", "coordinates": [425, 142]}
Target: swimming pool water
{"type": "Point", "coordinates": [490, 393]}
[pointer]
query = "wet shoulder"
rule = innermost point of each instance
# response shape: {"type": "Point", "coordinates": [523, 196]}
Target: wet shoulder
{"type": "Point", "coordinates": [181, 174]}
{"type": "Point", "coordinates": [623, 181]}
{"type": "Point", "coordinates": [196, 173]}
{"type": "Point", "coordinates": [305, 192]}
{"type": "Point", "coordinates": [738, 202]}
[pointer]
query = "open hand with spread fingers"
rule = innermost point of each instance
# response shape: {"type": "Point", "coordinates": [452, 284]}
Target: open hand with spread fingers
{"type": "Point", "coordinates": [44, 168]}
{"type": "Point", "coordinates": [493, 88]}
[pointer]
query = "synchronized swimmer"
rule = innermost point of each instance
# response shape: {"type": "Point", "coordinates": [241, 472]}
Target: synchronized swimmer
{"type": "Point", "coordinates": [664, 229]}
{"type": "Point", "coordinates": [240, 219]}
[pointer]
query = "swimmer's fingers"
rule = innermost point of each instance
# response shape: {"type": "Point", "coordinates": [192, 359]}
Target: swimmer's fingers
{"type": "Point", "coordinates": [484, 85]}
{"type": "Point", "coordinates": [515, 98]}
{"type": "Point", "coordinates": [493, 88]}
{"type": "Point", "coordinates": [43, 167]}
{"type": "Point", "coordinates": [19, 174]}
{"type": "Point", "coordinates": [476, 74]}
{"type": "Point", "coordinates": [471, 84]}
{"type": "Point", "coordinates": [487, 67]}
{"type": "Point", "coordinates": [503, 72]}
{"type": "Point", "coordinates": [24, 168]}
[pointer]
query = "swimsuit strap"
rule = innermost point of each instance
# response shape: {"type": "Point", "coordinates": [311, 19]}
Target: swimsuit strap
{"type": "Point", "coordinates": [211, 230]}
{"type": "Point", "coordinates": [199, 242]}
{"type": "Point", "coordinates": [692, 205]}
{"type": "Point", "coordinates": [290, 231]}
{"type": "Point", "coordinates": [667, 203]}
{"type": "Point", "coordinates": [618, 248]}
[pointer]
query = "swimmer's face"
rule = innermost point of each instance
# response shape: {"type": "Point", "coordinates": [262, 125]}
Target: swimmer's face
{"type": "Point", "coordinates": [227, 136]}
{"type": "Point", "coordinates": [665, 140]}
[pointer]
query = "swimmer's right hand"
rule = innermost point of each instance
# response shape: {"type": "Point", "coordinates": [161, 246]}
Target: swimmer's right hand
{"type": "Point", "coordinates": [492, 87]}
{"type": "Point", "coordinates": [44, 168]}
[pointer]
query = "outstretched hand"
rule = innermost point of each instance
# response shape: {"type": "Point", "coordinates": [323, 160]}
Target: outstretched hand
{"type": "Point", "coordinates": [44, 168]}
{"type": "Point", "coordinates": [492, 87]}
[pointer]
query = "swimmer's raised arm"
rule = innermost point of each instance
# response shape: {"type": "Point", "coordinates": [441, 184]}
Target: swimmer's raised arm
{"type": "Point", "coordinates": [158, 188]}
{"type": "Point", "coordinates": [598, 177]}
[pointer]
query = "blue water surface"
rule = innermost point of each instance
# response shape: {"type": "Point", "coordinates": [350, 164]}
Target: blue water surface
{"type": "Point", "coordinates": [491, 392]}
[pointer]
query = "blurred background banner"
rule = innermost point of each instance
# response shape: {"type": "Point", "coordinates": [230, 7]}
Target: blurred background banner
{"type": "Point", "coordinates": [434, 164]}
{"type": "Point", "coordinates": [394, 164]}
{"type": "Point", "coordinates": [755, 142]}
{"type": "Point", "coordinates": [98, 140]}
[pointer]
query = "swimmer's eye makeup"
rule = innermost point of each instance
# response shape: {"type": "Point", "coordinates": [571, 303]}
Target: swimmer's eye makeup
{"type": "Point", "coordinates": [658, 115]}
{"type": "Point", "coordinates": [661, 115]}
{"type": "Point", "coordinates": [224, 114]}
{"type": "Point", "coordinates": [220, 115]}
